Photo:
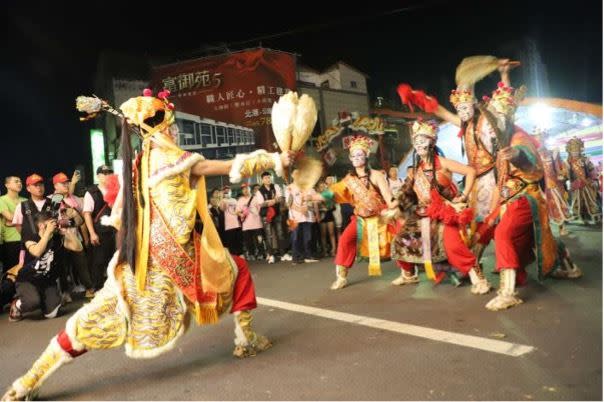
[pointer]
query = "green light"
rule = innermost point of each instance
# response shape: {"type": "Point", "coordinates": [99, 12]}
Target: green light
{"type": "Point", "coordinates": [97, 149]}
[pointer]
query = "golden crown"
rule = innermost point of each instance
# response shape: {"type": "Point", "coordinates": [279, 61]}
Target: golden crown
{"type": "Point", "coordinates": [140, 108]}
{"type": "Point", "coordinates": [425, 128]}
{"type": "Point", "coordinates": [574, 145]}
{"type": "Point", "coordinates": [361, 142]}
{"type": "Point", "coordinates": [461, 95]}
{"type": "Point", "coordinates": [502, 100]}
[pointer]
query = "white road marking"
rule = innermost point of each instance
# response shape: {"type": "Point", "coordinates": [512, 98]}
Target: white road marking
{"type": "Point", "coordinates": [469, 341]}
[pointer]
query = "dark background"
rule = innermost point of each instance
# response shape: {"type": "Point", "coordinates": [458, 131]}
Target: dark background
{"type": "Point", "coordinates": [51, 51]}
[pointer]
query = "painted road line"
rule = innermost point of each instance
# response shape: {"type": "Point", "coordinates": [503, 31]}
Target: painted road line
{"type": "Point", "coordinates": [469, 341]}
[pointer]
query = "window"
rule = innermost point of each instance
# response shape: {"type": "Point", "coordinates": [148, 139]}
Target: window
{"type": "Point", "coordinates": [230, 135]}
{"type": "Point", "coordinates": [197, 134]}
{"type": "Point", "coordinates": [353, 84]}
{"type": "Point", "coordinates": [187, 139]}
{"type": "Point", "coordinates": [220, 135]}
{"type": "Point", "coordinates": [206, 134]}
{"type": "Point", "coordinates": [188, 127]}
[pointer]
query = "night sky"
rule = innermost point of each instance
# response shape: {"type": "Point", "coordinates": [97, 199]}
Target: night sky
{"type": "Point", "coordinates": [51, 52]}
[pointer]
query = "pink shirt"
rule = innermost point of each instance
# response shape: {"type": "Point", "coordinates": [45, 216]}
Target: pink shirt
{"type": "Point", "coordinates": [253, 220]}
{"type": "Point", "coordinates": [18, 216]}
{"type": "Point", "coordinates": [74, 202]}
{"type": "Point", "coordinates": [292, 191]}
{"type": "Point", "coordinates": [89, 201]}
{"type": "Point", "coordinates": [231, 220]}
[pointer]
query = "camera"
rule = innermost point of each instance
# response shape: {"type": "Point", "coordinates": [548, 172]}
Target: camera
{"type": "Point", "coordinates": [56, 210]}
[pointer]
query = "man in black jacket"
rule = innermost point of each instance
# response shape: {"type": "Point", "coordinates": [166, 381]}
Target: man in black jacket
{"type": "Point", "coordinates": [271, 217]}
{"type": "Point", "coordinates": [102, 238]}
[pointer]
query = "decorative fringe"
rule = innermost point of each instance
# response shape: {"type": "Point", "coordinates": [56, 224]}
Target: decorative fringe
{"type": "Point", "coordinates": [206, 314]}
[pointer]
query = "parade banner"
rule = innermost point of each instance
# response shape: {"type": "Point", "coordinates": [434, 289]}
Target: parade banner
{"type": "Point", "coordinates": [236, 88]}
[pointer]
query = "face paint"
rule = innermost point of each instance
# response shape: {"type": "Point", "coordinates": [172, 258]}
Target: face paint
{"type": "Point", "coordinates": [358, 158]}
{"type": "Point", "coordinates": [465, 111]}
{"type": "Point", "coordinates": [421, 144]}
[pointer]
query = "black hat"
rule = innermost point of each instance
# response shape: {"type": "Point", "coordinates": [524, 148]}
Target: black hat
{"type": "Point", "coordinates": [104, 169]}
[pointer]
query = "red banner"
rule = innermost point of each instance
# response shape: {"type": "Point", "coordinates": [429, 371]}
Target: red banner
{"type": "Point", "coordinates": [237, 88]}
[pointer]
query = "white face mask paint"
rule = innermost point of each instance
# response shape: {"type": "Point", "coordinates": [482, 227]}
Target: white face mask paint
{"type": "Point", "coordinates": [421, 144]}
{"type": "Point", "coordinates": [465, 111]}
{"type": "Point", "coordinates": [358, 158]}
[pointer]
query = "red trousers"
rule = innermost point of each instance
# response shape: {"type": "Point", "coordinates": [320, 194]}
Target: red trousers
{"type": "Point", "coordinates": [486, 233]}
{"type": "Point", "coordinates": [459, 255]}
{"type": "Point", "coordinates": [244, 294]}
{"type": "Point", "coordinates": [347, 244]}
{"type": "Point", "coordinates": [514, 236]}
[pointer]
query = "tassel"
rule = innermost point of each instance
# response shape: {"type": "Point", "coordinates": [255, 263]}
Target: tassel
{"type": "Point", "coordinates": [205, 314]}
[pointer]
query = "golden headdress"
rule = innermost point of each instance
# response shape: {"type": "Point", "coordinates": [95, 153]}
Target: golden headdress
{"type": "Point", "coordinates": [502, 100]}
{"type": "Point", "coordinates": [425, 128]}
{"type": "Point", "coordinates": [574, 145]}
{"type": "Point", "coordinates": [136, 110]}
{"type": "Point", "coordinates": [361, 142]}
{"type": "Point", "coordinates": [140, 108]}
{"type": "Point", "coordinates": [461, 95]}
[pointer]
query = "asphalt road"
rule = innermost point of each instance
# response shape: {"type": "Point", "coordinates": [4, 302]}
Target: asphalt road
{"type": "Point", "coordinates": [344, 358]}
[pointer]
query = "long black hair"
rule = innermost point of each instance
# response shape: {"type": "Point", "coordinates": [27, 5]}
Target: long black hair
{"type": "Point", "coordinates": [127, 239]}
{"type": "Point", "coordinates": [127, 232]}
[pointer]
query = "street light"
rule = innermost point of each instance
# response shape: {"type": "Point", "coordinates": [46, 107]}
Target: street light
{"type": "Point", "coordinates": [541, 115]}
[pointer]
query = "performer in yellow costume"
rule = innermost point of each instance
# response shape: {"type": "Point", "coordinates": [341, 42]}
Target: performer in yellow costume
{"type": "Point", "coordinates": [164, 272]}
{"type": "Point", "coordinates": [368, 191]}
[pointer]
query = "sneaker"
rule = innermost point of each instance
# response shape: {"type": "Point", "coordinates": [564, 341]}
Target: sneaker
{"type": "Point", "coordinates": [286, 257]}
{"type": "Point", "coordinates": [309, 260]}
{"type": "Point", "coordinates": [15, 312]}
{"type": "Point", "coordinates": [271, 259]}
